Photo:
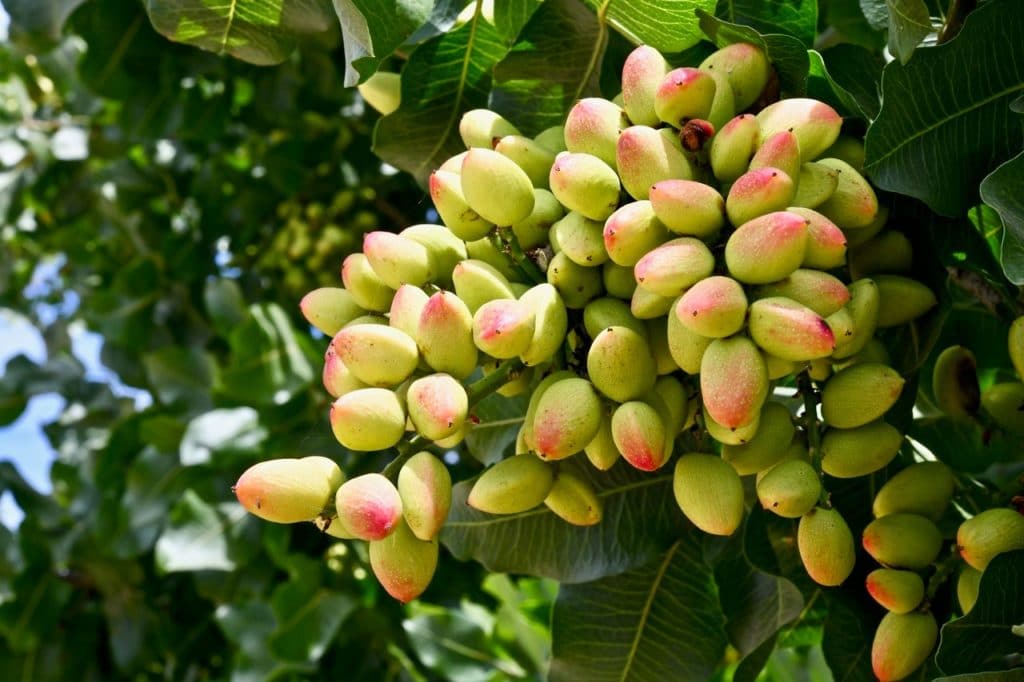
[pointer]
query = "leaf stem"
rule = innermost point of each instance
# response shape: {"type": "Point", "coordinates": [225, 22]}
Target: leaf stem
{"type": "Point", "coordinates": [510, 245]}
{"type": "Point", "coordinates": [482, 388]}
{"type": "Point", "coordinates": [958, 11]}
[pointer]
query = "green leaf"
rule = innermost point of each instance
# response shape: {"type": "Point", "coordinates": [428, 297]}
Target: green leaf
{"type": "Point", "coordinates": [267, 365]}
{"type": "Point", "coordinates": [658, 622]}
{"type": "Point", "coordinates": [141, 513]}
{"type": "Point", "coordinates": [225, 304]}
{"type": "Point", "coordinates": [500, 419]}
{"type": "Point", "coordinates": [204, 537]}
{"type": "Point", "coordinates": [786, 53]}
{"type": "Point", "coordinates": [963, 444]}
{"type": "Point", "coordinates": [454, 643]}
{"type": "Point", "coordinates": [257, 31]}
{"type": "Point", "coordinates": [39, 19]}
{"type": "Point", "coordinates": [849, 631]}
{"type": "Point", "coordinates": [851, 74]}
{"type": "Point", "coordinates": [443, 78]}
{"type": "Point", "coordinates": [798, 18]}
{"type": "Point", "coordinates": [553, 65]}
{"type": "Point", "coordinates": [308, 618]}
{"type": "Point", "coordinates": [982, 640]}
{"type": "Point", "coordinates": [938, 144]}
{"type": "Point", "coordinates": [665, 26]}
{"type": "Point", "coordinates": [372, 29]}
{"type": "Point", "coordinates": [756, 604]}
{"type": "Point", "coordinates": [909, 24]}
{"type": "Point", "coordinates": [1001, 190]}
{"type": "Point", "coordinates": [237, 430]}
{"type": "Point", "coordinates": [999, 676]}
{"type": "Point", "coordinates": [181, 376]}
{"type": "Point", "coordinates": [641, 518]}
{"type": "Point", "coordinates": [511, 16]}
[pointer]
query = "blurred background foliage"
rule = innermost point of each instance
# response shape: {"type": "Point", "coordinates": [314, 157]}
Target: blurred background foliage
{"type": "Point", "coordinates": [178, 204]}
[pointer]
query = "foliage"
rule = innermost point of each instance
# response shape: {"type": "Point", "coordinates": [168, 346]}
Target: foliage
{"type": "Point", "coordinates": [182, 202]}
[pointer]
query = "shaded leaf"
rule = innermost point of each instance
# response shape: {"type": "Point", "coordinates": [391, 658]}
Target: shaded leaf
{"type": "Point", "coordinates": [180, 376]}
{"type": "Point", "coordinates": [665, 26]}
{"type": "Point", "coordinates": [798, 18]}
{"type": "Point", "coordinates": [225, 304]}
{"type": "Point", "coordinates": [236, 430]}
{"type": "Point", "coordinates": [1001, 190]}
{"type": "Point", "coordinates": [940, 143]}
{"type": "Point", "coordinates": [443, 78]}
{"type": "Point", "coordinates": [983, 640]}
{"type": "Point", "coordinates": [267, 365]}
{"type": "Point", "coordinates": [549, 68]}
{"type": "Point", "coordinates": [500, 421]}
{"type": "Point", "coordinates": [658, 622]}
{"type": "Point", "coordinates": [853, 74]}
{"type": "Point", "coordinates": [39, 19]}
{"type": "Point", "coordinates": [963, 444]}
{"type": "Point", "coordinates": [308, 617]}
{"type": "Point", "coordinates": [372, 29]}
{"type": "Point", "coordinates": [452, 643]}
{"type": "Point", "coordinates": [756, 604]}
{"type": "Point", "coordinates": [204, 537]}
{"type": "Point", "coordinates": [909, 24]}
{"type": "Point", "coordinates": [849, 630]}
{"type": "Point", "coordinates": [998, 676]}
{"type": "Point", "coordinates": [257, 31]}
{"type": "Point", "coordinates": [786, 53]}
{"type": "Point", "coordinates": [641, 518]}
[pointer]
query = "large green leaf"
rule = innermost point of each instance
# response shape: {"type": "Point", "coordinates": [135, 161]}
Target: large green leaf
{"type": "Point", "coordinates": [444, 77]}
{"type": "Point", "coordinates": [499, 420]}
{"type": "Point", "coordinates": [938, 143]}
{"type": "Point", "coordinates": [257, 31]}
{"type": "Point", "coordinates": [983, 639]}
{"type": "Point", "coordinates": [267, 365]}
{"type": "Point", "coordinates": [998, 676]}
{"type": "Point", "coordinates": [658, 622]}
{"type": "Point", "coordinates": [848, 633]}
{"type": "Point", "coordinates": [181, 376]}
{"type": "Point", "coordinates": [849, 74]}
{"type": "Point", "coordinates": [237, 430]}
{"type": "Point", "coordinates": [798, 18]}
{"type": "Point", "coordinates": [39, 19]}
{"type": "Point", "coordinates": [641, 518]}
{"type": "Point", "coordinates": [308, 617]}
{"type": "Point", "coordinates": [205, 537]}
{"type": "Point", "coordinates": [553, 64]}
{"type": "Point", "coordinates": [372, 29]}
{"type": "Point", "coordinates": [756, 604]}
{"type": "Point", "coordinates": [1001, 190]}
{"type": "Point", "coordinates": [787, 54]}
{"type": "Point", "coordinates": [665, 26]}
{"type": "Point", "coordinates": [907, 22]}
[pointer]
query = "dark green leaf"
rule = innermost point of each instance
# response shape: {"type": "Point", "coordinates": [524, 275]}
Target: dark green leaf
{"type": "Point", "coordinates": [257, 31]}
{"type": "Point", "coordinates": [848, 20]}
{"type": "Point", "coordinates": [756, 604]}
{"type": "Point", "coordinates": [268, 365]}
{"type": "Point", "coordinates": [372, 29]}
{"type": "Point", "coordinates": [1000, 676]}
{"type": "Point", "coordinates": [753, 663]}
{"type": "Point", "coordinates": [854, 74]}
{"type": "Point", "coordinates": [512, 15]}
{"type": "Point", "coordinates": [786, 53]}
{"type": "Point", "coordinates": [641, 518]}
{"type": "Point", "coordinates": [444, 78]}
{"type": "Point", "coordinates": [963, 444]}
{"type": "Point", "coordinates": [308, 618]}
{"type": "Point", "coordinates": [665, 26]}
{"type": "Point", "coordinates": [849, 631]}
{"type": "Point", "coordinates": [798, 19]}
{"type": "Point", "coordinates": [39, 19]}
{"type": "Point", "coordinates": [658, 622]}
{"type": "Point", "coordinates": [205, 537]}
{"type": "Point", "coordinates": [909, 24]}
{"type": "Point", "coordinates": [938, 144]}
{"type": "Point", "coordinates": [982, 640]}
{"type": "Point", "coordinates": [500, 421]}
{"type": "Point", "coordinates": [551, 67]}
{"type": "Point", "coordinates": [142, 510]}
{"type": "Point", "coordinates": [225, 304]}
{"type": "Point", "coordinates": [1001, 190]}
{"type": "Point", "coordinates": [457, 643]}
{"type": "Point", "coordinates": [181, 376]}
{"type": "Point", "coordinates": [236, 430]}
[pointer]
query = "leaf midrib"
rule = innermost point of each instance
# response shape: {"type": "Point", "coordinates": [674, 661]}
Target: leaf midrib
{"type": "Point", "coordinates": [227, 26]}
{"type": "Point", "coordinates": [646, 611]}
{"type": "Point", "coordinates": [944, 121]}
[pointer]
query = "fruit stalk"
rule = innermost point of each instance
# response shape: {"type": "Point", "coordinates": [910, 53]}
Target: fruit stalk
{"type": "Point", "coordinates": [810, 396]}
